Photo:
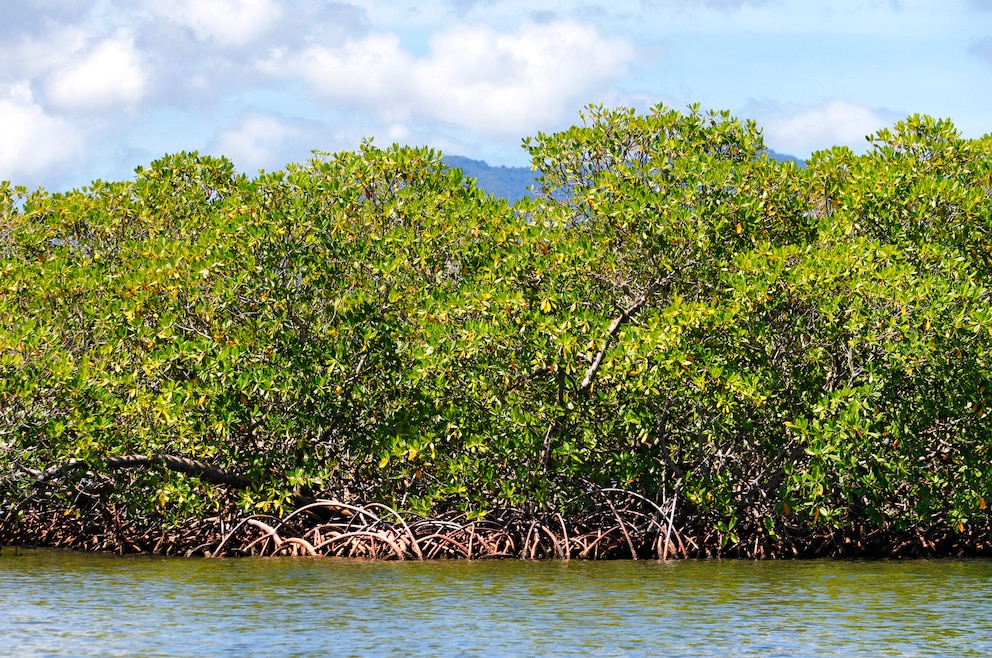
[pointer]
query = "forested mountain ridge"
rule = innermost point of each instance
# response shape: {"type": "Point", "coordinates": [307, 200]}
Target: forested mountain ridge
{"type": "Point", "coordinates": [510, 183]}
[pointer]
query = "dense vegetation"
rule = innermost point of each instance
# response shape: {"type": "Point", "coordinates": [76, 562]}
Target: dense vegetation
{"type": "Point", "coordinates": [770, 354]}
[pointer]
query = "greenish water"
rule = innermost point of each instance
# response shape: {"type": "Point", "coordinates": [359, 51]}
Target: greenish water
{"type": "Point", "coordinates": [56, 603]}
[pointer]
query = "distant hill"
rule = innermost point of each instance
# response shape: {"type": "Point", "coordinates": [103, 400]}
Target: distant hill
{"type": "Point", "coordinates": [511, 183]}
{"type": "Point", "coordinates": [782, 157]}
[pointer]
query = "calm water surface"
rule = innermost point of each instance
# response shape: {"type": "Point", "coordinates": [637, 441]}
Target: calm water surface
{"type": "Point", "coordinates": [56, 603]}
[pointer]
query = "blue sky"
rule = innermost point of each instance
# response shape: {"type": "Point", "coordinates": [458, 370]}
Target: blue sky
{"type": "Point", "coordinates": [94, 88]}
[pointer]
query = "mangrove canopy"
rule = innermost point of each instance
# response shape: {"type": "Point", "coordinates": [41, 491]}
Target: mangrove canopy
{"type": "Point", "coordinates": [732, 354]}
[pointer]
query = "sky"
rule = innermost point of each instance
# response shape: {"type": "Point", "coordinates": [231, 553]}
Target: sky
{"type": "Point", "coordinates": [94, 88]}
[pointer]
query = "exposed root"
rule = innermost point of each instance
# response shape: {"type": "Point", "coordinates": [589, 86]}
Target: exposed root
{"type": "Point", "coordinates": [612, 524]}
{"type": "Point", "coordinates": [372, 551]}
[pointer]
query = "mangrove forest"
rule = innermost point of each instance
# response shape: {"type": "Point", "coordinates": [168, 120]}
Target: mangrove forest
{"type": "Point", "coordinates": [677, 346]}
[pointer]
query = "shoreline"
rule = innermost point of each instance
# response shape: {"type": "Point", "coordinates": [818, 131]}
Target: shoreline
{"type": "Point", "coordinates": [617, 527]}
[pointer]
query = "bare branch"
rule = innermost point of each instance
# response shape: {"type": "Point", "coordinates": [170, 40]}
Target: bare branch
{"type": "Point", "coordinates": [618, 324]}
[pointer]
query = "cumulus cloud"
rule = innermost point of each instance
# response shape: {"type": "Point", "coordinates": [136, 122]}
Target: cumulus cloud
{"type": "Point", "coordinates": [225, 23]}
{"type": "Point", "coordinates": [472, 76]}
{"type": "Point", "coordinates": [35, 55]}
{"type": "Point", "coordinates": [367, 72]}
{"type": "Point", "coordinates": [511, 83]}
{"type": "Point", "coordinates": [262, 141]}
{"type": "Point", "coordinates": [202, 59]}
{"type": "Point", "coordinates": [34, 142]}
{"type": "Point", "coordinates": [111, 75]}
{"type": "Point", "coordinates": [801, 129]}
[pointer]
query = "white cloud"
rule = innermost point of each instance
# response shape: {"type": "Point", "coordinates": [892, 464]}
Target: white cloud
{"type": "Point", "coordinates": [374, 71]}
{"type": "Point", "coordinates": [801, 129]}
{"type": "Point", "coordinates": [473, 77]}
{"type": "Point", "coordinates": [225, 23]}
{"type": "Point", "coordinates": [512, 83]}
{"type": "Point", "coordinates": [31, 56]}
{"type": "Point", "coordinates": [262, 141]}
{"type": "Point", "coordinates": [34, 142]}
{"type": "Point", "coordinates": [111, 76]}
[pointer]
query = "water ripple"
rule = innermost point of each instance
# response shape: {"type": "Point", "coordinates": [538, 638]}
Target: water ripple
{"type": "Point", "coordinates": [57, 603]}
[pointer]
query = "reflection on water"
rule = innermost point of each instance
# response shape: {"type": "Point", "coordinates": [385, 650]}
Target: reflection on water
{"type": "Point", "coordinates": [56, 603]}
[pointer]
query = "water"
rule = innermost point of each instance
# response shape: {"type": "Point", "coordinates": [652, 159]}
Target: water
{"type": "Point", "coordinates": [69, 604]}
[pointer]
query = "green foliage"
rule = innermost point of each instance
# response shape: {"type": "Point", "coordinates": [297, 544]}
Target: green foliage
{"type": "Point", "coordinates": [674, 313]}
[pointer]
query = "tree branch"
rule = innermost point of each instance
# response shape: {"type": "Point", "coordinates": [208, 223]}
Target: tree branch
{"type": "Point", "coordinates": [199, 469]}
